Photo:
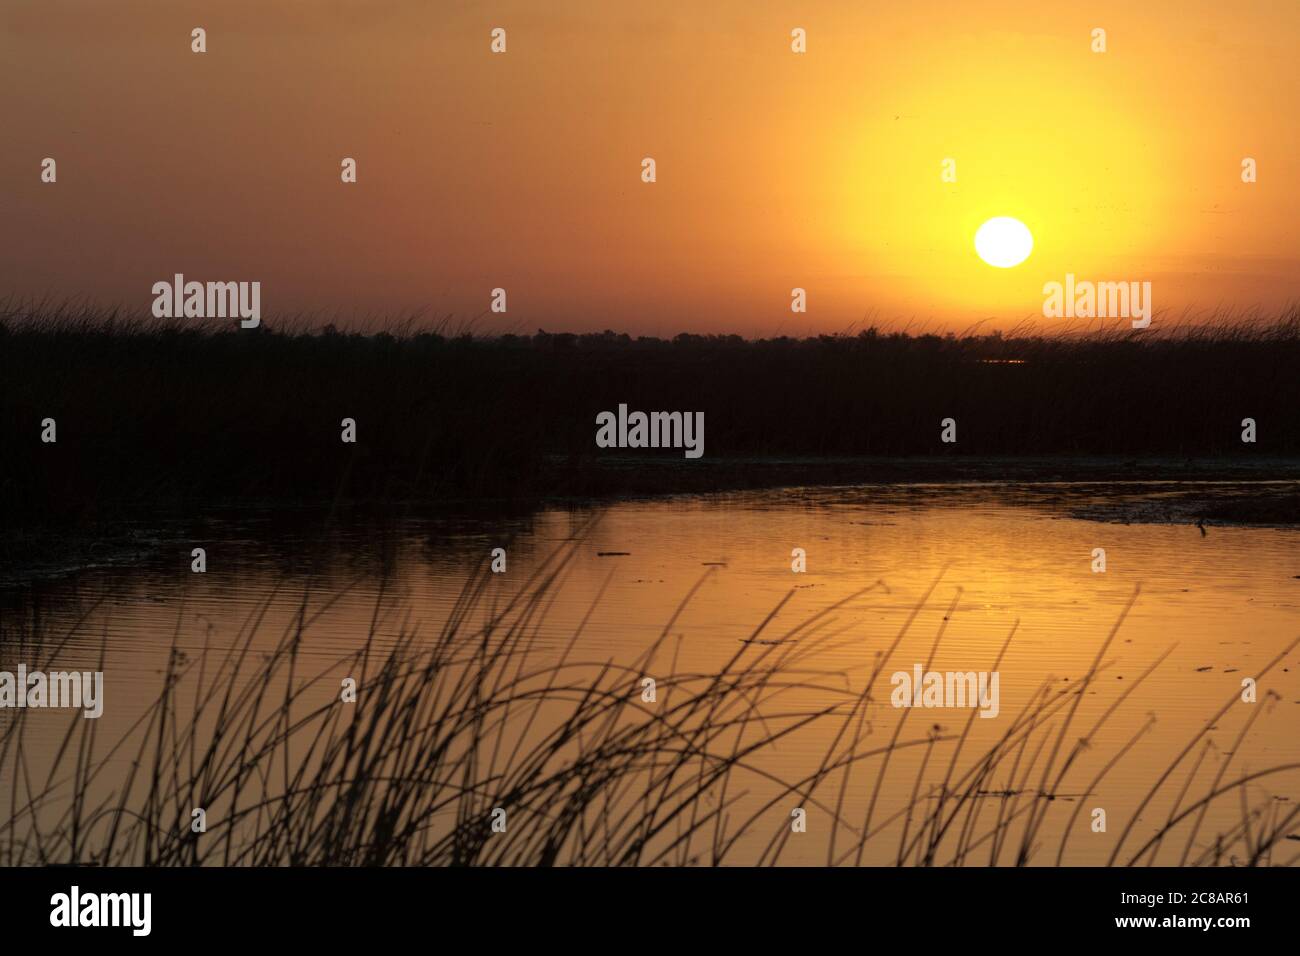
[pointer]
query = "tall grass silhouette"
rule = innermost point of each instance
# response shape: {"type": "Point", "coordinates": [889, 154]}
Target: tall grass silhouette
{"type": "Point", "coordinates": [151, 412]}
{"type": "Point", "coordinates": [451, 727]}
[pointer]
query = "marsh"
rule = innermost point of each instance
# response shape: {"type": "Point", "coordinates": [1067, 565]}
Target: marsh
{"type": "Point", "coordinates": [773, 686]}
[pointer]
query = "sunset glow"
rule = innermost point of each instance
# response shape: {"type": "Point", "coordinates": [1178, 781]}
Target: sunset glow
{"type": "Point", "coordinates": [823, 170]}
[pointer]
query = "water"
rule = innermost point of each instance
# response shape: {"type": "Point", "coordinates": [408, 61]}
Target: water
{"type": "Point", "coordinates": [996, 560]}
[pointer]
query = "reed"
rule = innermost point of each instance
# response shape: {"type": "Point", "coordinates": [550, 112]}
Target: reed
{"type": "Point", "coordinates": [153, 413]}
{"type": "Point", "coordinates": [477, 716]}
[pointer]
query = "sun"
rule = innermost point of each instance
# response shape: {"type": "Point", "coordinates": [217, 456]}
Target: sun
{"type": "Point", "coordinates": [1003, 242]}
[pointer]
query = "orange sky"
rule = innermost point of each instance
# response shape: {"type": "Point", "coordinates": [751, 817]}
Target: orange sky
{"type": "Point", "coordinates": [775, 170]}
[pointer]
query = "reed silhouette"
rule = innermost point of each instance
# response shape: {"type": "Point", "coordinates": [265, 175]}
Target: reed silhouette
{"type": "Point", "coordinates": [152, 413]}
{"type": "Point", "coordinates": [474, 718]}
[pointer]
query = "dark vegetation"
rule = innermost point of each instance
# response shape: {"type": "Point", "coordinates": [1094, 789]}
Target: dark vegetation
{"type": "Point", "coordinates": [150, 413]}
{"type": "Point", "coordinates": [451, 726]}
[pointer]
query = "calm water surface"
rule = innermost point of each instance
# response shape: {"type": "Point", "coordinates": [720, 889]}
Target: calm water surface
{"type": "Point", "coordinates": [993, 559]}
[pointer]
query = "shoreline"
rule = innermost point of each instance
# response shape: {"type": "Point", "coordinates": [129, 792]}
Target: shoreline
{"type": "Point", "coordinates": [1189, 491]}
{"type": "Point", "coordinates": [656, 476]}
